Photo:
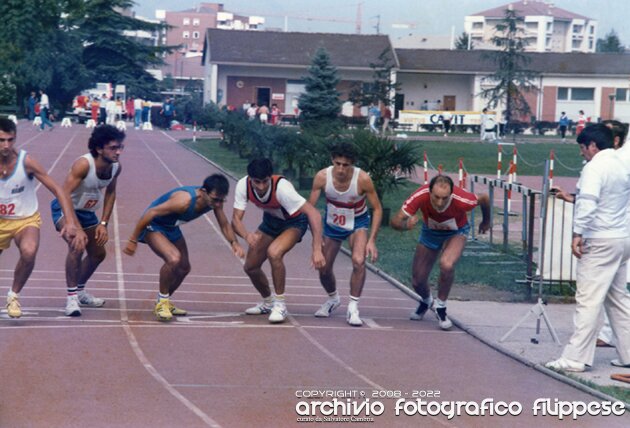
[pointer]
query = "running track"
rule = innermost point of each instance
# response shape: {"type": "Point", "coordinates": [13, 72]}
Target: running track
{"type": "Point", "coordinates": [118, 367]}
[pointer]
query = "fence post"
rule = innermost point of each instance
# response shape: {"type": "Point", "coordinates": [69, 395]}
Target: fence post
{"type": "Point", "coordinates": [194, 131]}
{"type": "Point", "coordinates": [499, 156]}
{"type": "Point", "coordinates": [529, 275]}
{"type": "Point", "coordinates": [425, 166]}
{"type": "Point", "coordinates": [551, 159]}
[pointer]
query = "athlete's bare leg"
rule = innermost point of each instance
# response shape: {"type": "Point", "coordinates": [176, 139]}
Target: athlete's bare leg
{"type": "Point", "coordinates": [275, 253]}
{"type": "Point", "coordinates": [27, 241]}
{"type": "Point", "coordinates": [326, 274]}
{"type": "Point", "coordinates": [452, 251]}
{"type": "Point", "coordinates": [253, 261]}
{"type": "Point", "coordinates": [423, 261]}
{"type": "Point", "coordinates": [358, 243]}
{"type": "Point", "coordinates": [175, 255]}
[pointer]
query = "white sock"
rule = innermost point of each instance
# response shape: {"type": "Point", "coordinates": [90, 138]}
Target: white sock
{"type": "Point", "coordinates": [11, 293]}
{"type": "Point", "coordinates": [268, 301]}
{"type": "Point", "coordinates": [440, 303]}
{"type": "Point", "coordinates": [334, 295]}
{"type": "Point", "coordinates": [353, 304]}
{"type": "Point", "coordinates": [162, 296]}
{"type": "Point", "coordinates": [427, 300]}
{"type": "Point", "coordinates": [279, 299]}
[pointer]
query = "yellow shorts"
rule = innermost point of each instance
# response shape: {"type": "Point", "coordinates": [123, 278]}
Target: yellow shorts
{"type": "Point", "coordinates": [9, 228]}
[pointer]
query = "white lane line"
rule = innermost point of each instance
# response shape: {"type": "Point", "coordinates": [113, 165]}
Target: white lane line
{"type": "Point", "coordinates": [134, 342]}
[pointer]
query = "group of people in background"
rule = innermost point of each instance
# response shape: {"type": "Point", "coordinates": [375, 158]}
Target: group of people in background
{"type": "Point", "coordinates": [39, 107]}
{"type": "Point", "coordinates": [266, 115]}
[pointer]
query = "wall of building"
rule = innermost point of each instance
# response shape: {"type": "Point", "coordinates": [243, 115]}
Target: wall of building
{"type": "Point", "coordinates": [433, 87]}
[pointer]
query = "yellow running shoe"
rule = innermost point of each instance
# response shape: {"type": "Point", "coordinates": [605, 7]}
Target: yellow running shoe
{"type": "Point", "coordinates": [163, 311]}
{"type": "Point", "coordinates": [13, 307]}
{"type": "Point", "coordinates": [176, 311]}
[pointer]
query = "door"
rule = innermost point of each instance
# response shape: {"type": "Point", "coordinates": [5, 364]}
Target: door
{"type": "Point", "coordinates": [399, 104]}
{"type": "Point", "coordinates": [449, 102]}
{"type": "Point", "coordinates": [263, 96]}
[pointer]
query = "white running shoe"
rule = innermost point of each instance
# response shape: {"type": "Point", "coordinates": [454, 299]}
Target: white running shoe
{"type": "Point", "coordinates": [443, 320]}
{"type": "Point", "coordinates": [566, 365]}
{"type": "Point", "coordinates": [353, 318]}
{"type": "Point", "coordinates": [72, 307]}
{"type": "Point", "coordinates": [86, 299]}
{"type": "Point", "coordinates": [278, 314]}
{"type": "Point", "coordinates": [260, 309]}
{"type": "Point", "coordinates": [328, 307]}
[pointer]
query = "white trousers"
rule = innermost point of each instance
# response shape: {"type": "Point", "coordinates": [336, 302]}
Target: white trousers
{"type": "Point", "coordinates": [601, 280]}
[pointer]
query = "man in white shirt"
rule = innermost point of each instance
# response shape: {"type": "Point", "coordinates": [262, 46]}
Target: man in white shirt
{"type": "Point", "coordinates": [286, 218]}
{"type": "Point", "coordinates": [44, 107]}
{"type": "Point", "coordinates": [601, 244]}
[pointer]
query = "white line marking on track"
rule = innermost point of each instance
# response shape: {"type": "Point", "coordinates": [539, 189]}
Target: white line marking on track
{"type": "Point", "coordinates": [373, 324]}
{"type": "Point", "coordinates": [134, 342]}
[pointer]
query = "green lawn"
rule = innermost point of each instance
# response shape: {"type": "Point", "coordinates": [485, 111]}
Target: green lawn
{"type": "Point", "coordinates": [481, 158]}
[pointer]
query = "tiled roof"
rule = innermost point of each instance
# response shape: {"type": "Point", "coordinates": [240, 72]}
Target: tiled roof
{"type": "Point", "coordinates": [477, 61]}
{"type": "Point", "coordinates": [295, 49]}
{"type": "Point", "coordinates": [530, 8]}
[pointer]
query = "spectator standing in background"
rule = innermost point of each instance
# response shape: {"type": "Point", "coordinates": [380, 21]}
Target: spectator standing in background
{"type": "Point", "coordinates": [563, 125]}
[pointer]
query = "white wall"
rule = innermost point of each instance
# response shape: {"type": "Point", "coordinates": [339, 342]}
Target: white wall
{"type": "Point", "coordinates": [437, 85]}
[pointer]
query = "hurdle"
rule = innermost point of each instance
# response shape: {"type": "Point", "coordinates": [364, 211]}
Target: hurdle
{"type": "Point", "coordinates": [66, 122]}
{"type": "Point", "coordinates": [121, 125]}
{"type": "Point", "coordinates": [91, 123]}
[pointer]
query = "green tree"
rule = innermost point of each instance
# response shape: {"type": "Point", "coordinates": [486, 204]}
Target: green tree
{"type": "Point", "coordinates": [320, 104]}
{"type": "Point", "coordinates": [462, 42]}
{"type": "Point", "coordinates": [512, 79]}
{"type": "Point", "coordinates": [382, 88]}
{"type": "Point", "coordinates": [610, 43]}
{"type": "Point", "coordinates": [109, 54]}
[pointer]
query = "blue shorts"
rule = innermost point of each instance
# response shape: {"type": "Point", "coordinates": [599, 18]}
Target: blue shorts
{"type": "Point", "coordinates": [172, 233]}
{"type": "Point", "coordinates": [434, 239]}
{"type": "Point", "coordinates": [360, 222]}
{"type": "Point", "coordinates": [87, 219]}
{"type": "Point", "coordinates": [274, 226]}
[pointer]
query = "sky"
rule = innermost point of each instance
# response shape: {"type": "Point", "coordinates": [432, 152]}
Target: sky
{"type": "Point", "coordinates": [420, 17]}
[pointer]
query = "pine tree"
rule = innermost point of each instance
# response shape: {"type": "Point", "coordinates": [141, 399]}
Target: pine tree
{"type": "Point", "coordinates": [382, 89]}
{"type": "Point", "coordinates": [320, 105]}
{"type": "Point", "coordinates": [610, 43]}
{"type": "Point", "coordinates": [512, 79]}
{"type": "Point", "coordinates": [462, 42]}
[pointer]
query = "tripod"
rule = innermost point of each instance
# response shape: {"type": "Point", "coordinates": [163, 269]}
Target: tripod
{"type": "Point", "coordinates": [538, 309]}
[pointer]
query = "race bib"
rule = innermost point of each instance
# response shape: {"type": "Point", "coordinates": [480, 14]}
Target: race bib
{"type": "Point", "coordinates": [449, 224]}
{"type": "Point", "coordinates": [341, 218]}
{"type": "Point", "coordinates": [89, 201]}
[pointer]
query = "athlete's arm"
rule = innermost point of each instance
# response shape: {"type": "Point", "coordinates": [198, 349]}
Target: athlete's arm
{"type": "Point", "coordinates": [366, 186]}
{"type": "Point", "coordinates": [228, 232]}
{"type": "Point", "coordinates": [315, 222]}
{"type": "Point", "coordinates": [71, 229]}
{"type": "Point", "coordinates": [177, 203]}
{"type": "Point", "coordinates": [484, 204]}
{"type": "Point", "coordinates": [240, 229]}
{"type": "Point", "coordinates": [318, 184]}
{"type": "Point", "coordinates": [402, 221]}
{"type": "Point", "coordinates": [100, 234]}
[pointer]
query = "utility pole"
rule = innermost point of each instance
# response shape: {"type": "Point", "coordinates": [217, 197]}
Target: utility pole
{"type": "Point", "coordinates": [378, 24]}
{"type": "Point", "coordinates": [359, 17]}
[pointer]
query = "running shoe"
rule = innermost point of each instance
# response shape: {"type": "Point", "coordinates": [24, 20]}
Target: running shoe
{"type": "Point", "coordinates": [260, 309]}
{"type": "Point", "coordinates": [353, 318]}
{"type": "Point", "coordinates": [566, 365]}
{"type": "Point", "coordinates": [278, 314]}
{"type": "Point", "coordinates": [617, 363]}
{"type": "Point", "coordinates": [86, 299]}
{"type": "Point", "coordinates": [443, 320]}
{"type": "Point", "coordinates": [177, 311]}
{"type": "Point", "coordinates": [328, 307]}
{"type": "Point", "coordinates": [418, 314]}
{"type": "Point", "coordinates": [162, 310]}
{"type": "Point", "coordinates": [13, 307]}
{"type": "Point", "coordinates": [72, 307]}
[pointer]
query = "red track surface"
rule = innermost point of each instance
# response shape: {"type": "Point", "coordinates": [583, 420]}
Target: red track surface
{"type": "Point", "coordinates": [118, 367]}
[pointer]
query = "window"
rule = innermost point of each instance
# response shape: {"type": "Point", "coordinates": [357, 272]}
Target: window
{"type": "Point", "coordinates": [563, 93]}
{"type": "Point", "coordinates": [477, 26]}
{"type": "Point", "coordinates": [549, 27]}
{"type": "Point", "coordinates": [186, 21]}
{"type": "Point", "coordinates": [195, 34]}
{"type": "Point", "coordinates": [196, 22]}
{"type": "Point", "coordinates": [582, 94]}
{"type": "Point", "coordinates": [186, 35]}
{"type": "Point", "coordinates": [576, 94]}
{"type": "Point", "coordinates": [621, 94]}
{"type": "Point", "coordinates": [577, 29]}
{"type": "Point", "coordinates": [591, 29]}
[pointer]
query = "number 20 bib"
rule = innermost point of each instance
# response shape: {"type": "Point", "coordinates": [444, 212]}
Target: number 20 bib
{"type": "Point", "coordinates": [342, 218]}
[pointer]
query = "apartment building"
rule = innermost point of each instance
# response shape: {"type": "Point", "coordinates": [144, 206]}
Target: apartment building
{"type": "Point", "coordinates": [546, 28]}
